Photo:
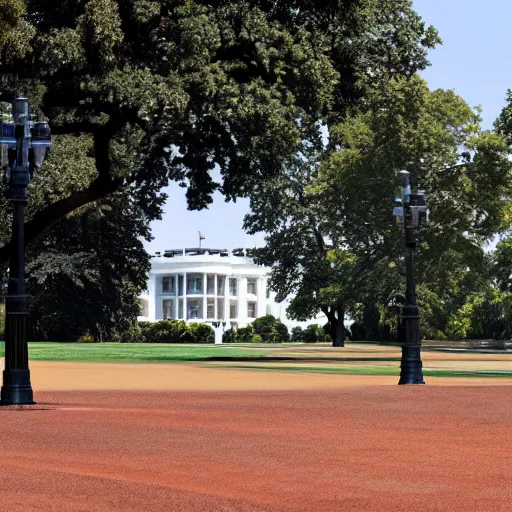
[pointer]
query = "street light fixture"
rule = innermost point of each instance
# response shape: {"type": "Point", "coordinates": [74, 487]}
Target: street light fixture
{"type": "Point", "coordinates": [26, 143]}
{"type": "Point", "coordinates": [411, 215]}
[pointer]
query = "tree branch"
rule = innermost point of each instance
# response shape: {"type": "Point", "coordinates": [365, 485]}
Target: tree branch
{"type": "Point", "coordinates": [43, 220]}
{"type": "Point", "coordinates": [452, 168]}
{"type": "Point", "coordinates": [102, 186]}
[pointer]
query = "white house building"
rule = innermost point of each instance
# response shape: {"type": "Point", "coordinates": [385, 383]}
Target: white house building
{"type": "Point", "coordinates": [209, 285]}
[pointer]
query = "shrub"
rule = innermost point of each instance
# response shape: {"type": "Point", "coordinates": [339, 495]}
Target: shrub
{"type": "Point", "coordinates": [86, 338]}
{"type": "Point", "coordinates": [132, 334]}
{"type": "Point", "coordinates": [271, 329]}
{"type": "Point", "coordinates": [297, 334]}
{"type": "Point", "coordinates": [144, 328]}
{"type": "Point", "coordinates": [245, 334]}
{"type": "Point", "coordinates": [200, 333]}
{"type": "Point", "coordinates": [313, 333]}
{"type": "Point", "coordinates": [257, 339]}
{"type": "Point", "coordinates": [281, 333]}
{"type": "Point", "coordinates": [229, 336]}
{"type": "Point", "coordinates": [357, 332]}
{"type": "Point", "coordinates": [265, 327]}
{"type": "Point", "coordinates": [167, 331]}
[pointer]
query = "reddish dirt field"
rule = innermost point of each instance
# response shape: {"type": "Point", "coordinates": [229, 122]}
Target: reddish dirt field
{"type": "Point", "coordinates": [361, 448]}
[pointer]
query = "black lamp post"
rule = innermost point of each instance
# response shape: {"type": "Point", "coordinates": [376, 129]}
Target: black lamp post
{"type": "Point", "coordinates": [412, 215]}
{"type": "Point", "coordinates": [26, 143]}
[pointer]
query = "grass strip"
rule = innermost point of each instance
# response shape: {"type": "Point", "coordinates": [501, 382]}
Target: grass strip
{"type": "Point", "coordinates": [131, 352]}
{"type": "Point", "coordinates": [369, 370]}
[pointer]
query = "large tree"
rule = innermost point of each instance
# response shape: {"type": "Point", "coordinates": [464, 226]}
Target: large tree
{"type": "Point", "coordinates": [331, 231]}
{"type": "Point", "coordinates": [86, 272]}
{"type": "Point", "coordinates": [140, 92]}
{"type": "Point", "coordinates": [144, 91]}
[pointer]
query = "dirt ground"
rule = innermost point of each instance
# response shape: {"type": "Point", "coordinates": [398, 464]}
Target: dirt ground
{"type": "Point", "coordinates": [182, 437]}
{"type": "Point", "coordinates": [370, 448]}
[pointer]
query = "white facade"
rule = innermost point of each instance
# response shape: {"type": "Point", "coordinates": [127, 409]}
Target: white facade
{"type": "Point", "coordinates": [209, 285]}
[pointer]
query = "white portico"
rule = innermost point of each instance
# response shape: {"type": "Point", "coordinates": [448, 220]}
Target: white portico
{"type": "Point", "coordinates": [207, 285]}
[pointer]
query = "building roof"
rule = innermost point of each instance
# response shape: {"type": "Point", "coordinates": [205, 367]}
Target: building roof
{"type": "Point", "coordinates": [203, 257]}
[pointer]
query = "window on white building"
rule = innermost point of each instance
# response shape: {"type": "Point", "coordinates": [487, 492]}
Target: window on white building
{"type": "Point", "coordinates": [232, 286]}
{"type": "Point", "coordinates": [144, 308]}
{"type": "Point", "coordinates": [251, 309]}
{"type": "Point", "coordinates": [180, 285]}
{"type": "Point", "coordinates": [233, 309]}
{"type": "Point", "coordinates": [210, 285]}
{"type": "Point", "coordinates": [268, 292]}
{"type": "Point", "coordinates": [168, 308]}
{"type": "Point", "coordinates": [210, 308]}
{"type": "Point", "coordinates": [180, 309]}
{"type": "Point", "coordinates": [221, 283]}
{"type": "Point", "coordinates": [194, 284]}
{"type": "Point", "coordinates": [220, 309]}
{"type": "Point", "coordinates": [194, 308]}
{"type": "Point", "coordinates": [251, 286]}
{"type": "Point", "coordinates": [168, 284]}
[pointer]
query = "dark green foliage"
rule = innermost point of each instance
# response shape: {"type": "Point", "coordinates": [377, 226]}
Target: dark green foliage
{"type": "Point", "coordinates": [167, 90]}
{"type": "Point", "coordinates": [200, 333]}
{"type": "Point", "coordinates": [313, 333]}
{"type": "Point", "coordinates": [11, 27]}
{"type": "Point", "coordinates": [357, 332]}
{"type": "Point", "coordinates": [270, 329]}
{"type": "Point", "coordinates": [168, 331]}
{"type": "Point", "coordinates": [173, 331]}
{"type": "Point", "coordinates": [85, 275]}
{"type": "Point", "coordinates": [229, 336]}
{"type": "Point", "coordinates": [330, 237]}
{"type": "Point", "coordinates": [297, 334]}
{"type": "Point", "coordinates": [134, 333]}
{"type": "Point", "coordinates": [282, 335]}
{"type": "Point", "coordinates": [144, 328]}
{"type": "Point", "coordinates": [266, 329]}
{"type": "Point", "coordinates": [245, 334]}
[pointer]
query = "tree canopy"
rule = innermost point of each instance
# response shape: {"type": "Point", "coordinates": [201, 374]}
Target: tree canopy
{"type": "Point", "coordinates": [142, 91]}
{"type": "Point", "coordinates": [331, 234]}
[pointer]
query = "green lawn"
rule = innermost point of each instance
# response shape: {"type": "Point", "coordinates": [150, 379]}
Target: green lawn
{"type": "Point", "coordinates": [236, 356]}
{"type": "Point", "coordinates": [370, 370]}
{"type": "Point", "coordinates": [112, 352]}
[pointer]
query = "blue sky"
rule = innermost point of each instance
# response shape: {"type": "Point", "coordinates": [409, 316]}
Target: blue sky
{"type": "Point", "coordinates": [474, 61]}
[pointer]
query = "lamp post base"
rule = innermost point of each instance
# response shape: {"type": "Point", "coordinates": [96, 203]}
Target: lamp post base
{"type": "Point", "coordinates": [17, 389]}
{"type": "Point", "coordinates": [411, 367]}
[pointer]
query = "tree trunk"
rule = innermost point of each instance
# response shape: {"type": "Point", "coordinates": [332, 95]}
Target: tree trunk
{"type": "Point", "coordinates": [337, 328]}
{"type": "Point", "coordinates": [371, 323]}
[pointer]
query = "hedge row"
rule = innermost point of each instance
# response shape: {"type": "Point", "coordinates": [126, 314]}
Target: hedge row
{"type": "Point", "coordinates": [266, 329]}
{"type": "Point", "coordinates": [168, 331]}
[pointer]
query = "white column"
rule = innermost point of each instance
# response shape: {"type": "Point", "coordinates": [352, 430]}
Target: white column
{"type": "Point", "coordinates": [262, 297]}
{"type": "Point", "coordinates": [215, 298]}
{"type": "Point", "coordinates": [242, 301]}
{"type": "Point", "coordinates": [184, 295]}
{"type": "Point", "coordinates": [205, 290]}
{"type": "Point", "coordinates": [218, 334]}
{"type": "Point", "coordinates": [152, 295]}
{"type": "Point", "coordinates": [226, 299]}
{"type": "Point", "coordinates": [176, 300]}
